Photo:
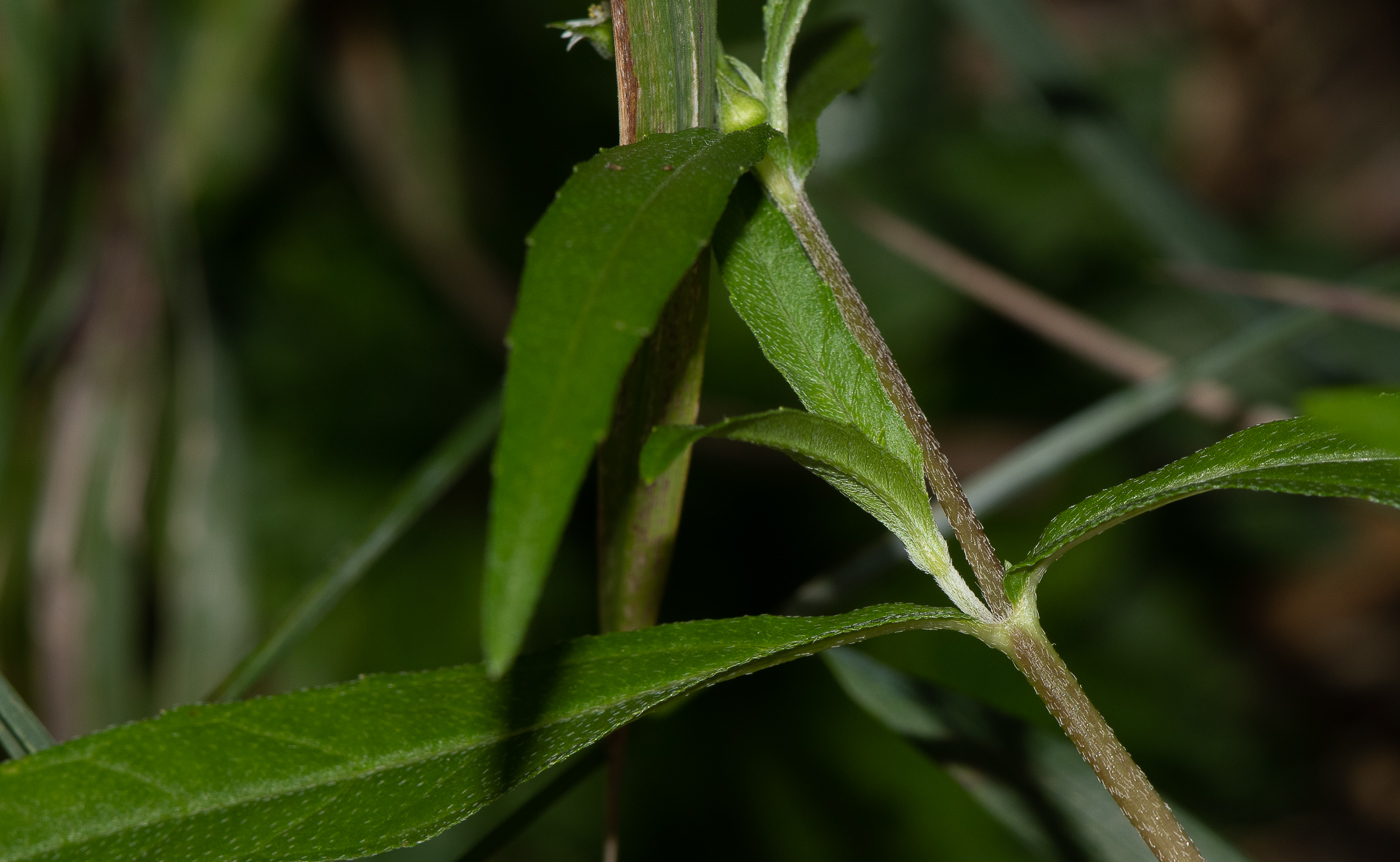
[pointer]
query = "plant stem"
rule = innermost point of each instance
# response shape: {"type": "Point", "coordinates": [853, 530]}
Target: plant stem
{"type": "Point", "coordinates": [789, 197]}
{"type": "Point", "coordinates": [1026, 644]}
{"type": "Point", "coordinates": [1019, 636]}
{"type": "Point", "coordinates": [617, 754]}
{"type": "Point", "coordinates": [637, 522]}
{"type": "Point", "coordinates": [1097, 425]}
{"type": "Point", "coordinates": [627, 88]}
{"type": "Point", "coordinates": [666, 54]}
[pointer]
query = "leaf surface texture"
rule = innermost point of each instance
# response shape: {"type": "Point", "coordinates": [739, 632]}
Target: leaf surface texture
{"type": "Point", "coordinates": [602, 262]}
{"type": "Point", "coordinates": [791, 311]}
{"type": "Point", "coordinates": [1295, 456]}
{"type": "Point", "coordinates": [383, 762]}
{"type": "Point", "coordinates": [872, 478]}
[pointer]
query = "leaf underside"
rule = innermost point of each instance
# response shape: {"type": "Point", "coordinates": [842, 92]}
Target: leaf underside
{"type": "Point", "coordinates": [872, 478]}
{"type": "Point", "coordinates": [386, 761]}
{"type": "Point", "coordinates": [1295, 456]}
{"type": "Point", "coordinates": [602, 262]}
{"type": "Point", "coordinates": [881, 484]}
{"type": "Point", "coordinates": [791, 311]}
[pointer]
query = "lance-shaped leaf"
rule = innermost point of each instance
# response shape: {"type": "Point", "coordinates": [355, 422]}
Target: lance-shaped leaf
{"type": "Point", "coordinates": [1031, 780]}
{"type": "Point", "coordinates": [601, 264]}
{"type": "Point", "coordinates": [1295, 456]}
{"type": "Point", "coordinates": [846, 59]}
{"type": "Point", "coordinates": [871, 477]}
{"type": "Point", "coordinates": [382, 762]}
{"type": "Point", "coordinates": [794, 316]}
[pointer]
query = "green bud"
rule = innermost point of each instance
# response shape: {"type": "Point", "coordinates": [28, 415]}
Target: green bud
{"type": "Point", "coordinates": [741, 104]}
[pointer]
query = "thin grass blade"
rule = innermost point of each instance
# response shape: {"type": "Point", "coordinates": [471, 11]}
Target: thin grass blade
{"type": "Point", "coordinates": [1034, 782]}
{"type": "Point", "coordinates": [21, 732]}
{"type": "Point", "coordinates": [1096, 137]}
{"type": "Point", "coordinates": [436, 474]}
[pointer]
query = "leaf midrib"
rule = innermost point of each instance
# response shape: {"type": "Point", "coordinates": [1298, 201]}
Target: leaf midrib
{"type": "Point", "coordinates": [561, 388]}
{"type": "Point", "coordinates": [638, 703]}
{"type": "Point", "coordinates": [337, 775]}
{"type": "Point", "coordinates": [344, 773]}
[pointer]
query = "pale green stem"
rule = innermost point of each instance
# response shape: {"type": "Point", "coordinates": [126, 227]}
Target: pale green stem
{"type": "Point", "coordinates": [1023, 640]}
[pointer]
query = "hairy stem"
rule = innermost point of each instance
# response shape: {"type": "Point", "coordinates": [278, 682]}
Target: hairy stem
{"type": "Point", "coordinates": [788, 195]}
{"type": "Point", "coordinates": [1033, 655]}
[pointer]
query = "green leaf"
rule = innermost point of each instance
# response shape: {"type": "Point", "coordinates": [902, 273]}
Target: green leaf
{"type": "Point", "coordinates": [552, 789]}
{"type": "Point", "coordinates": [1296, 456]}
{"type": "Point", "coordinates": [794, 316]}
{"type": "Point", "coordinates": [782, 19]}
{"type": "Point", "coordinates": [869, 476]}
{"type": "Point", "coordinates": [1360, 414]}
{"type": "Point", "coordinates": [382, 762]}
{"type": "Point", "coordinates": [1031, 780]}
{"type": "Point", "coordinates": [842, 66]}
{"type": "Point", "coordinates": [601, 263]}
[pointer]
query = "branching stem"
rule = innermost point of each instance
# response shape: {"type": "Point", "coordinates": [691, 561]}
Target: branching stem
{"type": "Point", "coordinates": [790, 198]}
{"type": "Point", "coordinates": [1015, 630]}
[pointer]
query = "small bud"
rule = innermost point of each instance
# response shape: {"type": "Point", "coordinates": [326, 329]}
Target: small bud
{"type": "Point", "coordinates": [741, 104]}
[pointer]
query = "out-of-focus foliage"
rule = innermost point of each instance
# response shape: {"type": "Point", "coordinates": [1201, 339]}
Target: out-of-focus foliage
{"type": "Point", "coordinates": [256, 259]}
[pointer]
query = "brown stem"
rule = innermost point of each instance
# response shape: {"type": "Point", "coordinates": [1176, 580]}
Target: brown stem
{"type": "Point", "coordinates": [1036, 658]}
{"type": "Point", "coordinates": [1342, 300]}
{"type": "Point", "coordinates": [794, 204]}
{"type": "Point", "coordinates": [627, 87]}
